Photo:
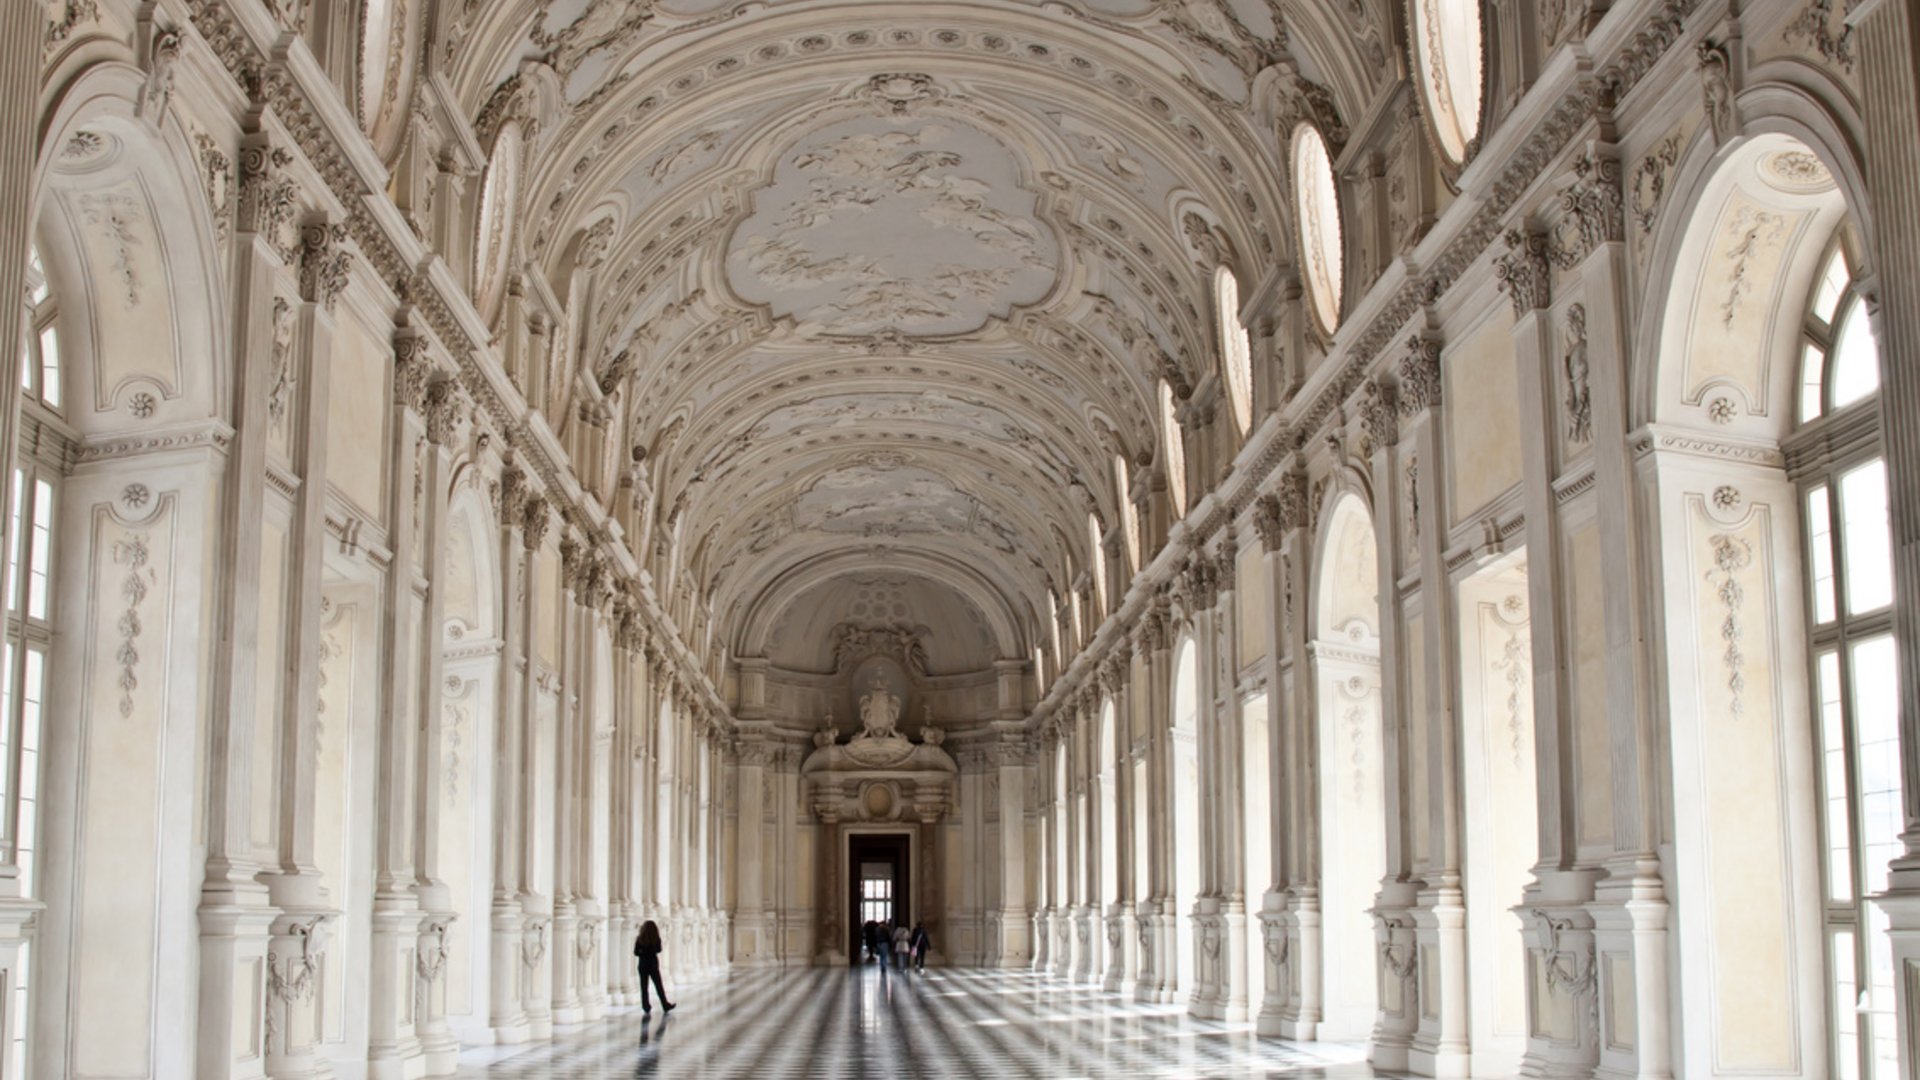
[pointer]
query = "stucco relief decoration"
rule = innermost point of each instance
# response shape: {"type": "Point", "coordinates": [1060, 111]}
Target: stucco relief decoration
{"type": "Point", "coordinates": [72, 14]}
{"type": "Point", "coordinates": [1650, 183]}
{"type": "Point", "coordinates": [1523, 271]}
{"type": "Point", "coordinates": [280, 391]}
{"type": "Point", "coordinates": [268, 197]}
{"type": "Point", "coordinates": [898, 222]}
{"type": "Point", "coordinates": [133, 554]}
{"type": "Point", "coordinates": [115, 216]}
{"type": "Point", "coordinates": [1515, 665]}
{"type": "Point", "coordinates": [1570, 971]}
{"type": "Point", "coordinates": [293, 964]}
{"type": "Point", "coordinates": [1573, 362]}
{"type": "Point", "coordinates": [326, 263]}
{"type": "Point", "coordinates": [1714, 65]}
{"type": "Point", "coordinates": [1824, 30]}
{"type": "Point", "coordinates": [852, 644]}
{"type": "Point", "coordinates": [156, 92]}
{"type": "Point", "coordinates": [1731, 556]}
{"type": "Point", "coordinates": [1751, 235]}
{"type": "Point", "coordinates": [430, 961]}
{"type": "Point", "coordinates": [1595, 204]}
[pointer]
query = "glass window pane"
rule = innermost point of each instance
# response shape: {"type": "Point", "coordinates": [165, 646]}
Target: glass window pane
{"type": "Point", "coordinates": [1812, 375]}
{"type": "Point", "coordinates": [1833, 768]}
{"type": "Point", "coordinates": [1856, 362]}
{"type": "Point", "coordinates": [1846, 1006]}
{"type": "Point", "coordinates": [40, 561]}
{"type": "Point", "coordinates": [50, 364]}
{"type": "Point", "coordinates": [1832, 280]}
{"type": "Point", "coordinates": [37, 287]}
{"type": "Point", "coordinates": [1820, 553]}
{"type": "Point", "coordinates": [1864, 538]}
{"type": "Point", "coordinates": [1877, 739]}
{"type": "Point", "coordinates": [16, 529]}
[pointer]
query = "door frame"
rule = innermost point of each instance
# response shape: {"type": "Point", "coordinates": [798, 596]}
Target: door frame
{"type": "Point", "coordinates": [889, 843]}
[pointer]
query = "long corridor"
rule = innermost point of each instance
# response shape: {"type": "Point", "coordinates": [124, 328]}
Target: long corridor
{"type": "Point", "coordinates": [846, 1024]}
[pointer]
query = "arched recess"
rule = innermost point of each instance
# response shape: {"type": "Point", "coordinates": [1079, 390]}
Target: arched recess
{"type": "Point", "coordinates": [1185, 765]}
{"type": "Point", "coordinates": [128, 247]}
{"type": "Point", "coordinates": [1352, 806]}
{"type": "Point", "coordinates": [1109, 810]}
{"type": "Point", "coordinates": [1256, 785]}
{"type": "Point", "coordinates": [470, 643]}
{"type": "Point", "coordinates": [665, 837]}
{"type": "Point", "coordinates": [1777, 712]}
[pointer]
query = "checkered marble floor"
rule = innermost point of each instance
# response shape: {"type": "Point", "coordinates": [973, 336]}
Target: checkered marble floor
{"type": "Point", "coordinates": [844, 1024]}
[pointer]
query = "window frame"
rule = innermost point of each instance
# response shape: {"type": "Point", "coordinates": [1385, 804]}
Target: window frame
{"type": "Point", "coordinates": [1823, 450]}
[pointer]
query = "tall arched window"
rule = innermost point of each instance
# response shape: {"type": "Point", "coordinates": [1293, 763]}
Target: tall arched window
{"type": "Point", "coordinates": [1174, 445]}
{"type": "Point", "coordinates": [1039, 671]}
{"type": "Point", "coordinates": [1097, 564]}
{"type": "Point", "coordinates": [1317, 206]}
{"type": "Point", "coordinates": [1053, 626]}
{"type": "Point", "coordinates": [1834, 455]}
{"type": "Point", "coordinates": [40, 349]}
{"type": "Point", "coordinates": [1129, 513]}
{"type": "Point", "coordinates": [499, 191]}
{"type": "Point", "coordinates": [26, 651]}
{"type": "Point", "coordinates": [1236, 351]}
{"type": "Point", "coordinates": [1447, 50]}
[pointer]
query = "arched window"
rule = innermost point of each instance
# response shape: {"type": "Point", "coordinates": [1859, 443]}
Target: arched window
{"type": "Point", "coordinates": [1839, 364]}
{"type": "Point", "coordinates": [26, 651]}
{"type": "Point", "coordinates": [499, 191]}
{"type": "Point", "coordinates": [1129, 513]}
{"type": "Point", "coordinates": [40, 344]}
{"type": "Point", "coordinates": [1447, 50]}
{"type": "Point", "coordinates": [1236, 352]}
{"type": "Point", "coordinates": [1834, 456]}
{"type": "Point", "coordinates": [1097, 564]}
{"type": "Point", "coordinates": [1053, 625]}
{"type": "Point", "coordinates": [1174, 443]}
{"type": "Point", "coordinates": [1317, 206]}
{"type": "Point", "coordinates": [1039, 671]}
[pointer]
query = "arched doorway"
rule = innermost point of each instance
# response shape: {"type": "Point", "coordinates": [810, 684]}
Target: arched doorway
{"type": "Point", "coordinates": [1186, 809]}
{"type": "Point", "coordinates": [1353, 844]}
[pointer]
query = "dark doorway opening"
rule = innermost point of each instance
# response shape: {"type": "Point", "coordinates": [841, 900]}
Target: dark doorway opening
{"type": "Point", "coordinates": [878, 885]}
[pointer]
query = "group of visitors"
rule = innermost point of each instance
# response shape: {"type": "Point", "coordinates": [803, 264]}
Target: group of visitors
{"type": "Point", "coordinates": [896, 946]}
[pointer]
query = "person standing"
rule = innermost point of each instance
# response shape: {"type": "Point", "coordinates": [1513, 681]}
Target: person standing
{"type": "Point", "coordinates": [646, 949]}
{"type": "Point", "coordinates": [917, 946]}
{"type": "Point", "coordinates": [899, 943]}
{"type": "Point", "coordinates": [883, 945]}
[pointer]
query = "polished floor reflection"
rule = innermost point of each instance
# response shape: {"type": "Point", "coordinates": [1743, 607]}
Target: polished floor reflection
{"type": "Point", "coordinates": [832, 1022]}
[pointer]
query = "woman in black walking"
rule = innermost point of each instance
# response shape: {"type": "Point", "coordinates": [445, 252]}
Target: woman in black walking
{"type": "Point", "coordinates": [647, 948]}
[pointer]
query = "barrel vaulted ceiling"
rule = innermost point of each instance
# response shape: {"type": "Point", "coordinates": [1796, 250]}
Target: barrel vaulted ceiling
{"type": "Point", "coordinates": [881, 288]}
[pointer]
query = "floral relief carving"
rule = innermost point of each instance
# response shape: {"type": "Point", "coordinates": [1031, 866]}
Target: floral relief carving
{"type": "Point", "coordinates": [1731, 556]}
{"type": "Point", "coordinates": [269, 199]}
{"type": "Point", "coordinates": [1420, 376]}
{"type": "Point", "coordinates": [133, 554]}
{"type": "Point", "coordinates": [1595, 203]}
{"type": "Point", "coordinates": [216, 172]}
{"type": "Point", "coordinates": [114, 214]}
{"type": "Point", "coordinates": [1815, 27]}
{"type": "Point", "coordinates": [1650, 183]}
{"type": "Point", "coordinates": [1752, 231]}
{"type": "Point", "coordinates": [72, 14]}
